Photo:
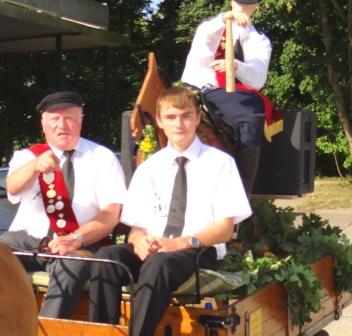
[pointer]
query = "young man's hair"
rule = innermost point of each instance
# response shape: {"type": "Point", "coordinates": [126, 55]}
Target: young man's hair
{"type": "Point", "coordinates": [178, 97]}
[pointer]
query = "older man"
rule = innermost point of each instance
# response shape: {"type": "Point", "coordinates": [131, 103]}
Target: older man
{"type": "Point", "coordinates": [71, 190]}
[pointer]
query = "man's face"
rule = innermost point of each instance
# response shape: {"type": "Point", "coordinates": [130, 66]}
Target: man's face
{"type": "Point", "coordinates": [248, 9]}
{"type": "Point", "coordinates": [62, 127]}
{"type": "Point", "coordinates": [179, 125]}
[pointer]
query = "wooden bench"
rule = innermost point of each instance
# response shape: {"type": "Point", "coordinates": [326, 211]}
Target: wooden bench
{"type": "Point", "coordinates": [189, 310]}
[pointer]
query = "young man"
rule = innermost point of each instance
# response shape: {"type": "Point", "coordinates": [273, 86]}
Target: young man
{"type": "Point", "coordinates": [185, 198]}
{"type": "Point", "coordinates": [205, 69]}
{"type": "Point", "coordinates": [71, 190]}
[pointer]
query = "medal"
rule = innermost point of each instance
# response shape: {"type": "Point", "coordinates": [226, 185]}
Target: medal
{"type": "Point", "coordinates": [51, 193]}
{"type": "Point", "coordinates": [61, 223]}
{"type": "Point", "coordinates": [49, 178]}
{"type": "Point", "coordinates": [59, 205]}
{"type": "Point", "coordinates": [50, 209]}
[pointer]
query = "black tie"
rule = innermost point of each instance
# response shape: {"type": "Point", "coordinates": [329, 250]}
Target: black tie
{"type": "Point", "coordinates": [68, 172]}
{"type": "Point", "coordinates": [177, 211]}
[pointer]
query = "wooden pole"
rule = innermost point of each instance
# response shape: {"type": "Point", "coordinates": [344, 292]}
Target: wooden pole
{"type": "Point", "coordinates": [229, 58]}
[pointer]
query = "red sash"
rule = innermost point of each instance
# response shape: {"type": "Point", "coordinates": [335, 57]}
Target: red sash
{"type": "Point", "coordinates": [57, 204]}
{"type": "Point", "coordinates": [273, 119]}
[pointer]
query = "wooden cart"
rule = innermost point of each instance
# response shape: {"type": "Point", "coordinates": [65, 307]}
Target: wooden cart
{"type": "Point", "coordinates": [263, 313]}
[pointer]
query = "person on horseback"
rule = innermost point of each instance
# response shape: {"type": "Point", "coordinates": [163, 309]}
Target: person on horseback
{"type": "Point", "coordinates": [71, 190]}
{"type": "Point", "coordinates": [182, 204]}
{"type": "Point", "coordinates": [205, 69]}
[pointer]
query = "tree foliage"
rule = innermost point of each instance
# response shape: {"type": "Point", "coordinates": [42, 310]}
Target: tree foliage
{"type": "Point", "coordinates": [311, 69]}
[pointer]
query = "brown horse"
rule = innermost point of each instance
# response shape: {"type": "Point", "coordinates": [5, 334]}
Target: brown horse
{"type": "Point", "coordinates": [18, 308]}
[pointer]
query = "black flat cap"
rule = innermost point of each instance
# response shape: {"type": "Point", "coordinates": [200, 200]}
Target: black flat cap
{"type": "Point", "coordinates": [58, 100]}
{"type": "Point", "coordinates": [248, 2]}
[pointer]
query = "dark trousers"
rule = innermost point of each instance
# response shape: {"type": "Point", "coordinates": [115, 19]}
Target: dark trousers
{"type": "Point", "coordinates": [157, 277]}
{"type": "Point", "coordinates": [244, 111]}
{"type": "Point", "coordinates": [67, 277]}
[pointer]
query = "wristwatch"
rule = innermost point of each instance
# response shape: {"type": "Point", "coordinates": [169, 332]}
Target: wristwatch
{"type": "Point", "coordinates": [77, 236]}
{"type": "Point", "coordinates": [194, 242]}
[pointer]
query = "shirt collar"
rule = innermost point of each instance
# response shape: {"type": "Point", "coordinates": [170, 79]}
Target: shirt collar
{"type": "Point", "coordinates": [191, 153]}
{"type": "Point", "coordinates": [59, 153]}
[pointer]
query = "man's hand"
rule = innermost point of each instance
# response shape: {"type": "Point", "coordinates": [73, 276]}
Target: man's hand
{"type": "Point", "coordinates": [46, 163]}
{"type": "Point", "coordinates": [63, 245]}
{"type": "Point", "coordinates": [173, 244]}
{"type": "Point", "coordinates": [23, 178]}
{"type": "Point", "coordinates": [145, 245]}
{"type": "Point", "coordinates": [241, 18]}
{"type": "Point", "coordinates": [220, 65]}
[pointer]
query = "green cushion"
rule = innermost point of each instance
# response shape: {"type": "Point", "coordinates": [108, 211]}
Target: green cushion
{"type": "Point", "coordinates": [42, 279]}
{"type": "Point", "coordinates": [211, 282]}
{"type": "Point", "coordinates": [39, 278]}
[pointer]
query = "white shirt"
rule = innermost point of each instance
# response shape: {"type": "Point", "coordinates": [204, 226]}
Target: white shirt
{"type": "Point", "coordinates": [214, 191]}
{"type": "Point", "coordinates": [99, 182]}
{"type": "Point", "coordinates": [256, 49]}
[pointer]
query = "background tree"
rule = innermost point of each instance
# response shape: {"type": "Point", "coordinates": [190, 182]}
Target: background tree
{"type": "Point", "coordinates": [311, 69]}
{"type": "Point", "coordinates": [26, 78]}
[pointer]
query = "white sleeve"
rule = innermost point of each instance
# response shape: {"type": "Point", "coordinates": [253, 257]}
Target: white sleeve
{"type": "Point", "coordinates": [19, 159]}
{"type": "Point", "coordinates": [257, 52]}
{"type": "Point", "coordinates": [111, 187]}
{"type": "Point", "coordinates": [204, 45]}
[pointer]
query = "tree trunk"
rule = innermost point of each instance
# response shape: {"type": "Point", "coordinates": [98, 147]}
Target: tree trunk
{"type": "Point", "coordinates": [334, 77]}
{"type": "Point", "coordinates": [349, 46]}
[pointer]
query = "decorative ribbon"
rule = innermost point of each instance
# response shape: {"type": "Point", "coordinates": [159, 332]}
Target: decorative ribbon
{"type": "Point", "coordinates": [55, 197]}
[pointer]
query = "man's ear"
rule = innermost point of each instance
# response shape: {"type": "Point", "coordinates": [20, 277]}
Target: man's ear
{"type": "Point", "coordinates": [199, 118]}
{"type": "Point", "coordinates": [42, 121]}
{"type": "Point", "coordinates": [158, 121]}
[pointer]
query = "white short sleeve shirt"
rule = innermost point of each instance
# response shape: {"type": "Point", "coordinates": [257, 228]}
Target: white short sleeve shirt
{"type": "Point", "coordinates": [99, 182]}
{"type": "Point", "coordinates": [256, 49]}
{"type": "Point", "coordinates": [214, 191]}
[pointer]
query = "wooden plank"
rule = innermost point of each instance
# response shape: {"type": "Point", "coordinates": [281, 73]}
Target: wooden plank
{"type": "Point", "coordinates": [59, 327]}
{"type": "Point", "coordinates": [327, 314]}
{"type": "Point", "coordinates": [272, 300]}
{"type": "Point", "coordinates": [277, 324]}
{"type": "Point", "coordinates": [81, 311]}
{"type": "Point", "coordinates": [324, 269]}
{"type": "Point", "coordinates": [183, 320]}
